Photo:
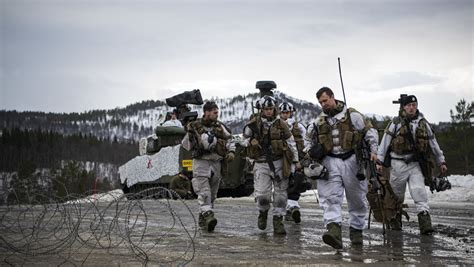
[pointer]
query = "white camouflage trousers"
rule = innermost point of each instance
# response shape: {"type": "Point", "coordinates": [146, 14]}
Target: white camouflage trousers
{"type": "Point", "coordinates": [342, 177]}
{"type": "Point", "coordinates": [206, 179]}
{"type": "Point", "coordinates": [401, 174]}
{"type": "Point", "coordinates": [263, 182]}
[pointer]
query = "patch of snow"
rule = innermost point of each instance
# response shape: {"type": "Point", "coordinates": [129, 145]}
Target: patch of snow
{"type": "Point", "coordinates": [102, 197]}
{"type": "Point", "coordinates": [461, 191]}
{"type": "Point", "coordinates": [148, 168]}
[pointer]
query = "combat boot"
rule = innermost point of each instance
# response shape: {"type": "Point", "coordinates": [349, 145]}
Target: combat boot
{"type": "Point", "coordinates": [396, 223]}
{"type": "Point", "coordinates": [209, 220]}
{"type": "Point", "coordinates": [424, 221]}
{"type": "Point", "coordinates": [295, 214]}
{"type": "Point", "coordinates": [201, 221]}
{"type": "Point", "coordinates": [288, 217]}
{"type": "Point", "coordinates": [278, 227]}
{"type": "Point", "coordinates": [356, 236]}
{"type": "Point", "coordinates": [333, 236]}
{"type": "Point", "coordinates": [262, 220]}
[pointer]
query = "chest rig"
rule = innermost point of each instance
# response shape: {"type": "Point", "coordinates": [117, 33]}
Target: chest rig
{"type": "Point", "coordinates": [401, 144]}
{"type": "Point", "coordinates": [272, 137]}
{"type": "Point", "coordinates": [198, 127]}
{"type": "Point", "coordinates": [342, 134]}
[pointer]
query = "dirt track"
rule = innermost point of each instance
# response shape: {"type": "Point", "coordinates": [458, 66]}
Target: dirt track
{"type": "Point", "coordinates": [155, 237]}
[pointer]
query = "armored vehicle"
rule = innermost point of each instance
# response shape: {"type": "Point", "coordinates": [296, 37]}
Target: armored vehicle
{"type": "Point", "coordinates": [162, 157]}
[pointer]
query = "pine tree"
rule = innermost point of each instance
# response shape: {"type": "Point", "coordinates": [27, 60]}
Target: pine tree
{"type": "Point", "coordinates": [462, 123]}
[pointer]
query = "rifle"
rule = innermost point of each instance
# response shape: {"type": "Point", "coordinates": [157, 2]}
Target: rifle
{"type": "Point", "coordinates": [419, 156]}
{"type": "Point", "coordinates": [266, 148]}
{"type": "Point", "coordinates": [267, 151]}
{"type": "Point", "coordinates": [373, 180]}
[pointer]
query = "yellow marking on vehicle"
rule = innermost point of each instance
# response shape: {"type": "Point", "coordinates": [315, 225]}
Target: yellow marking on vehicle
{"type": "Point", "coordinates": [188, 163]}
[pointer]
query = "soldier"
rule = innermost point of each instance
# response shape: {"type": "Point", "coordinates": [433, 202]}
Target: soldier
{"type": "Point", "coordinates": [408, 140]}
{"type": "Point", "coordinates": [298, 131]}
{"type": "Point", "coordinates": [210, 142]}
{"type": "Point", "coordinates": [172, 121]}
{"type": "Point", "coordinates": [271, 145]}
{"type": "Point", "coordinates": [181, 185]}
{"type": "Point", "coordinates": [337, 132]}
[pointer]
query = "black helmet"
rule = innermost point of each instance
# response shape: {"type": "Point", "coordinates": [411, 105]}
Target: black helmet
{"type": "Point", "coordinates": [286, 107]}
{"type": "Point", "coordinates": [267, 102]}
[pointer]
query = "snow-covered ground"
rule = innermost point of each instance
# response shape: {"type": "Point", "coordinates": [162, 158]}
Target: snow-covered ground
{"type": "Point", "coordinates": [462, 191]}
{"type": "Point", "coordinates": [101, 197]}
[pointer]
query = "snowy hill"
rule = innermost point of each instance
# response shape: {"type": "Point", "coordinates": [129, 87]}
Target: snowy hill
{"type": "Point", "coordinates": [139, 119]}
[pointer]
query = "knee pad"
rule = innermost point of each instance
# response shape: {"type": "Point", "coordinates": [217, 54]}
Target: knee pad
{"type": "Point", "coordinates": [279, 202]}
{"type": "Point", "coordinates": [263, 200]}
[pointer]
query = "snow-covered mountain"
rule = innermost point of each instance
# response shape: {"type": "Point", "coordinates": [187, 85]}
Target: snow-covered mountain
{"type": "Point", "coordinates": [139, 119]}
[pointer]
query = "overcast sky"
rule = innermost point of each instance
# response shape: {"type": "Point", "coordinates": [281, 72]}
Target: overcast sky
{"type": "Point", "coordinates": [65, 56]}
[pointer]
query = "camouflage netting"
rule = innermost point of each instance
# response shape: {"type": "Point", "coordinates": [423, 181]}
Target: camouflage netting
{"type": "Point", "coordinates": [148, 168]}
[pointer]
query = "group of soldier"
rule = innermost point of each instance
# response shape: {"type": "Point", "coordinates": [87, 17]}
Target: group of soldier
{"type": "Point", "coordinates": [277, 145]}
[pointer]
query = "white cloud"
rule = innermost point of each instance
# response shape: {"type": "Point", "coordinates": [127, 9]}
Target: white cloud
{"type": "Point", "coordinates": [119, 52]}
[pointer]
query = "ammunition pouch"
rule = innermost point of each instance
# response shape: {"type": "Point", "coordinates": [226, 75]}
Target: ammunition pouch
{"type": "Point", "coordinates": [221, 148]}
{"type": "Point", "coordinates": [347, 140]}
{"type": "Point", "coordinates": [325, 142]}
{"type": "Point", "coordinates": [277, 147]}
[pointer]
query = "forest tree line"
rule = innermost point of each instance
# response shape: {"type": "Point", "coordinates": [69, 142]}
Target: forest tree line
{"type": "Point", "coordinates": [24, 151]}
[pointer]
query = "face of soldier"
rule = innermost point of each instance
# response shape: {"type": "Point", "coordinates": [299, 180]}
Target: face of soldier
{"type": "Point", "coordinates": [410, 109]}
{"type": "Point", "coordinates": [327, 102]}
{"type": "Point", "coordinates": [268, 112]}
{"type": "Point", "coordinates": [285, 115]}
{"type": "Point", "coordinates": [212, 115]}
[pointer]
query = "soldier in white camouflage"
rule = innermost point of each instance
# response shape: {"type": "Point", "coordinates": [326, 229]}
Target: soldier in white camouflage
{"type": "Point", "coordinates": [409, 140]}
{"type": "Point", "coordinates": [297, 129]}
{"type": "Point", "coordinates": [210, 142]}
{"type": "Point", "coordinates": [270, 144]}
{"type": "Point", "coordinates": [338, 131]}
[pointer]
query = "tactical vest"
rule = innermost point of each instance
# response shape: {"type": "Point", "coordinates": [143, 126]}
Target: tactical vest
{"type": "Point", "coordinates": [273, 136]}
{"type": "Point", "coordinates": [348, 136]}
{"type": "Point", "coordinates": [297, 134]}
{"type": "Point", "coordinates": [196, 128]}
{"type": "Point", "coordinates": [400, 143]}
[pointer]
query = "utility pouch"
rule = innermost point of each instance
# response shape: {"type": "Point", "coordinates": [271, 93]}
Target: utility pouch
{"type": "Point", "coordinates": [347, 141]}
{"type": "Point", "coordinates": [221, 149]}
{"type": "Point", "coordinates": [327, 144]}
{"type": "Point", "coordinates": [277, 147]}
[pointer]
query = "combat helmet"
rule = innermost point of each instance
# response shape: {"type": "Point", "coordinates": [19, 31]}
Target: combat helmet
{"type": "Point", "coordinates": [286, 107]}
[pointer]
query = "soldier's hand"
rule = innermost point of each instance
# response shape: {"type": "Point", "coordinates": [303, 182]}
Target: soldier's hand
{"type": "Point", "coordinates": [443, 168]}
{"type": "Point", "coordinates": [230, 156]}
{"type": "Point", "coordinates": [254, 142]}
{"type": "Point", "coordinates": [373, 157]}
